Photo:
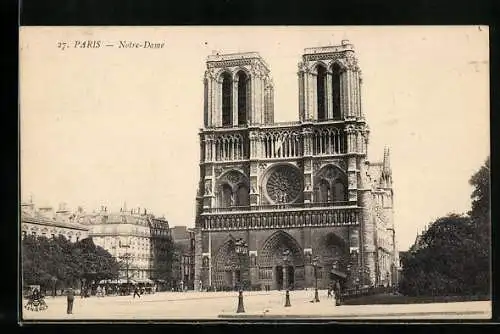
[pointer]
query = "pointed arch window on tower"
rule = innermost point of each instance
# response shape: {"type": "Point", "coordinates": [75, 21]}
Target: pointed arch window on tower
{"type": "Point", "coordinates": [320, 91]}
{"type": "Point", "coordinates": [227, 97]}
{"type": "Point", "coordinates": [336, 76]}
{"type": "Point", "coordinates": [242, 98]}
{"type": "Point", "coordinates": [205, 103]}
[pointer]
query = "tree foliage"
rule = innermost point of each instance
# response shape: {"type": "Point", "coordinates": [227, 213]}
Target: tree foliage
{"type": "Point", "coordinates": [452, 256]}
{"type": "Point", "coordinates": [480, 196]}
{"type": "Point", "coordinates": [58, 261]}
{"type": "Point", "coordinates": [164, 258]}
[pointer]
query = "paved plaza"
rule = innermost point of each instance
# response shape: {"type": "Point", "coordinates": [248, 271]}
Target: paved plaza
{"type": "Point", "coordinates": [258, 305]}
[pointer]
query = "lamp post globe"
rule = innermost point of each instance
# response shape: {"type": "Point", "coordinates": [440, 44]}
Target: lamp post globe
{"type": "Point", "coordinates": [54, 281]}
{"type": "Point", "coordinates": [241, 248]}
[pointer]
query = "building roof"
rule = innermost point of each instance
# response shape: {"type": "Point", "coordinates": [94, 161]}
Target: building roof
{"type": "Point", "coordinates": [41, 220]}
{"type": "Point", "coordinates": [104, 218]}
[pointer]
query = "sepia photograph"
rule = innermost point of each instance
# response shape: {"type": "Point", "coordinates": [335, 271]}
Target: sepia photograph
{"type": "Point", "coordinates": [230, 173]}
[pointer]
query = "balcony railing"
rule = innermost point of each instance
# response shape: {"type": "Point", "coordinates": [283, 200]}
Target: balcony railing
{"type": "Point", "coordinates": [280, 206]}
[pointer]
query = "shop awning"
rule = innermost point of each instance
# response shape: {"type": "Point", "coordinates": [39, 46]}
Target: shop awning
{"type": "Point", "coordinates": [144, 280]}
{"type": "Point", "coordinates": [116, 281]}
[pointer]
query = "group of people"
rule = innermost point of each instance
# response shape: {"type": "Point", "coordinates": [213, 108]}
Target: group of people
{"type": "Point", "coordinates": [100, 292]}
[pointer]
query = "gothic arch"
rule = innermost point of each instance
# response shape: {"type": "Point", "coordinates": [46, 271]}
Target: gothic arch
{"type": "Point", "coordinates": [271, 253]}
{"type": "Point", "coordinates": [336, 69]}
{"type": "Point", "coordinates": [243, 85]}
{"type": "Point", "coordinates": [315, 66]}
{"type": "Point", "coordinates": [225, 261]}
{"type": "Point", "coordinates": [333, 253]}
{"type": "Point", "coordinates": [321, 91]}
{"type": "Point", "coordinates": [239, 69]}
{"type": "Point", "coordinates": [338, 63]}
{"type": "Point", "coordinates": [330, 184]}
{"type": "Point", "coordinates": [232, 189]}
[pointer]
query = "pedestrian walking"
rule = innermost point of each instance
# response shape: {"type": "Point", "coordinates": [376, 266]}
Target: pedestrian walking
{"type": "Point", "coordinates": [70, 297]}
{"type": "Point", "coordinates": [136, 292]}
{"type": "Point", "coordinates": [99, 291]}
{"type": "Point", "coordinates": [337, 293]}
{"type": "Point", "coordinates": [329, 292]}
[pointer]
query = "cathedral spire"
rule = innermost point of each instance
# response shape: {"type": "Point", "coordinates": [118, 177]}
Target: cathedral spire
{"type": "Point", "coordinates": [387, 162]}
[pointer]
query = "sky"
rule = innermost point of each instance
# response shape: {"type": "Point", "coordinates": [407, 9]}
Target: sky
{"type": "Point", "coordinates": [108, 126]}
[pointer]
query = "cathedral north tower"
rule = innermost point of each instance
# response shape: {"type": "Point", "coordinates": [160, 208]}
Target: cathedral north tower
{"type": "Point", "coordinates": [238, 91]}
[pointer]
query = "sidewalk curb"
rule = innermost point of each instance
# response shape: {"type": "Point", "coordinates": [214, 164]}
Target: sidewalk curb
{"type": "Point", "coordinates": [340, 316]}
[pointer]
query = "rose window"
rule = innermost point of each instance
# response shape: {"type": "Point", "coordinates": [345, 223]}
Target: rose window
{"type": "Point", "coordinates": [284, 185]}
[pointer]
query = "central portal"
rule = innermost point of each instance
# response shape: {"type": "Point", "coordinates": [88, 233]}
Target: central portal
{"type": "Point", "coordinates": [284, 280]}
{"type": "Point", "coordinates": [282, 255]}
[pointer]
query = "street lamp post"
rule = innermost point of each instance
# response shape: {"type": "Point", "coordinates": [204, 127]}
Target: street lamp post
{"type": "Point", "coordinates": [54, 282]}
{"type": "Point", "coordinates": [286, 259]}
{"type": "Point", "coordinates": [241, 248]}
{"type": "Point", "coordinates": [315, 262]}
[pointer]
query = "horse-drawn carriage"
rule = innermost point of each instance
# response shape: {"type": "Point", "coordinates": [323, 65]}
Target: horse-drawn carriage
{"type": "Point", "coordinates": [36, 300]}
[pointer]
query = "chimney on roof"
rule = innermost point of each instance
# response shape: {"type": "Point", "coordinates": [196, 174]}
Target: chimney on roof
{"type": "Point", "coordinates": [28, 209]}
{"type": "Point", "coordinates": [62, 207]}
{"type": "Point", "coordinates": [47, 212]}
{"type": "Point", "coordinates": [62, 215]}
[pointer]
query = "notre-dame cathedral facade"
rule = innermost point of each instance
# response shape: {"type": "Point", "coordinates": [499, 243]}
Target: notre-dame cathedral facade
{"type": "Point", "coordinates": [301, 197]}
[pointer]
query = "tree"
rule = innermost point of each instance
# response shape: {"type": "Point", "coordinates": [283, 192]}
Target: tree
{"type": "Point", "coordinates": [480, 211]}
{"type": "Point", "coordinates": [448, 261]}
{"type": "Point", "coordinates": [452, 256]}
{"type": "Point", "coordinates": [480, 215]}
{"type": "Point", "coordinates": [57, 260]}
{"type": "Point", "coordinates": [96, 263]}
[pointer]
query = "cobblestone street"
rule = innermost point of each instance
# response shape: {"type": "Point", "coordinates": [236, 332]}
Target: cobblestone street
{"type": "Point", "coordinates": [222, 306]}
